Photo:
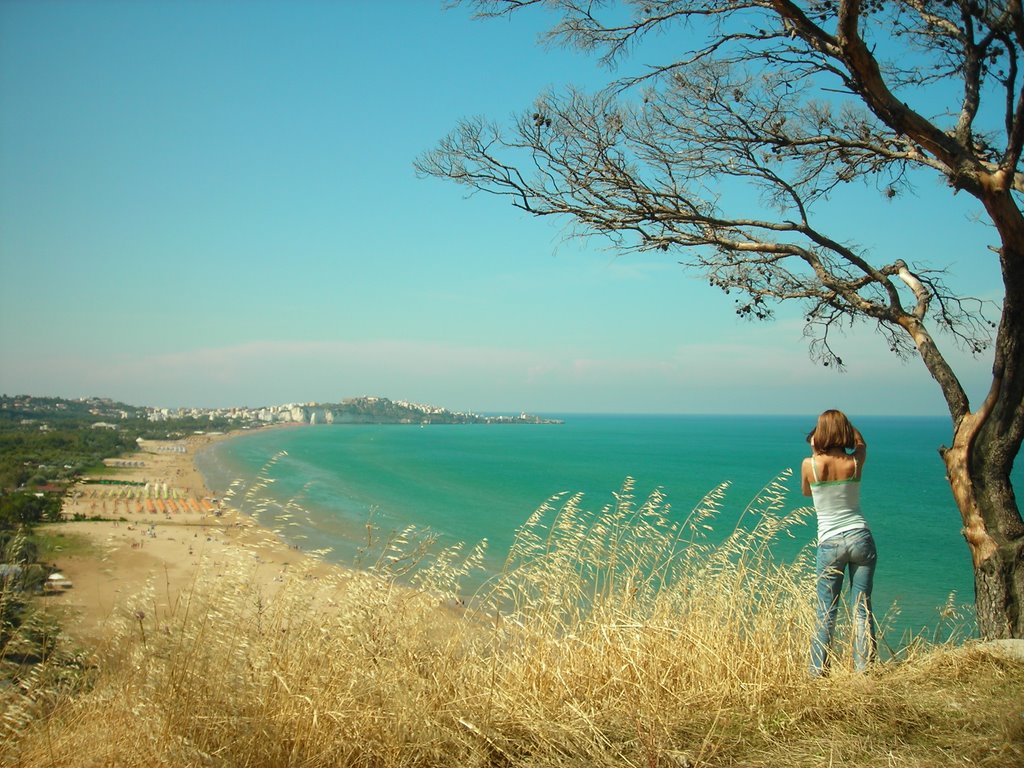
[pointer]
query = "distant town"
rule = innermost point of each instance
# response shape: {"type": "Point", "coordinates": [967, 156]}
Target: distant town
{"type": "Point", "coordinates": [106, 413]}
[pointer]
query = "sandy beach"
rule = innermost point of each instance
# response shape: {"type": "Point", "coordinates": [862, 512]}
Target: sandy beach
{"type": "Point", "coordinates": [160, 524]}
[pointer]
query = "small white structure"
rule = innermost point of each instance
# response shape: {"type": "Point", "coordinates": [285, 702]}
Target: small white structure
{"type": "Point", "coordinates": [58, 581]}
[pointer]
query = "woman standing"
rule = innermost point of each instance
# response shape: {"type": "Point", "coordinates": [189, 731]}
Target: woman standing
{"type": "Point", "coordinates": [831, 475]}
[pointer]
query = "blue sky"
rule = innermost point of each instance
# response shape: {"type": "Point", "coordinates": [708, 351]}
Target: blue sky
{"type": "Point", "coordinates": [214, 203]}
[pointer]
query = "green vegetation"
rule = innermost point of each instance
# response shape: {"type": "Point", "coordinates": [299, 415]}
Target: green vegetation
{"type": "Point", "coordinates": [22, 509]}
{"type": "Point", "coordinates": [611, 638]}
{"type": "Point", "coordinates": [47, 442]}
{"type": "Point", "coordinates": [30, 458]}
{"type": "Point", "coordinates": [53, 546]}
{"type": "Point", "coordinates": [22, 573]}
{"type": "Point", "coordinates": [21, 568]}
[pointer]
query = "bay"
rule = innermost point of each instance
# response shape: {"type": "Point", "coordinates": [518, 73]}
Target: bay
{"type": "Point", "coordinates": [320, 486]}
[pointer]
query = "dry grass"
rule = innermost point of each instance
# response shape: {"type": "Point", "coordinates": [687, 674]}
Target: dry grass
{"type": "Point", "coordinates": [612, 637]}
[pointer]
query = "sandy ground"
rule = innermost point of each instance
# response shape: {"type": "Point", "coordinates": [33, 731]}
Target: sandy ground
{"type": "Point", "coordinates": [157, 530]}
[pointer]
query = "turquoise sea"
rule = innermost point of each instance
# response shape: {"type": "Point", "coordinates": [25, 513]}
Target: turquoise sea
{"type": "Point", "coordinates": [473, 482]}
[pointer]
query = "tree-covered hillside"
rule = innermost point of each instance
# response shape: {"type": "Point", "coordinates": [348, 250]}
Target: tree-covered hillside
{"type": "Point", "coordinates": [46, 440]}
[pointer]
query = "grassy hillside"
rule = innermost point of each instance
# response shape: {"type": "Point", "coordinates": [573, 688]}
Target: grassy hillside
{"type": "Point", "coordinates": [612, 638]}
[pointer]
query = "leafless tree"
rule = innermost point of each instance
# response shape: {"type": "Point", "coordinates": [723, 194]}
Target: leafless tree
{"type": "Point", "coordinates": [795, 99]}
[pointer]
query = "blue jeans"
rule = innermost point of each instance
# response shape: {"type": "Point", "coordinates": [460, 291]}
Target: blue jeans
{"type": "Point", "coordinates": [854, 550]}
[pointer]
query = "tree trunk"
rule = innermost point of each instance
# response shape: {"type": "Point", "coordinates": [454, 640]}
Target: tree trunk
{"type": "Point", "coordinates": [985, 444]}
{"type": "Point", "coordinates": [992, 528]}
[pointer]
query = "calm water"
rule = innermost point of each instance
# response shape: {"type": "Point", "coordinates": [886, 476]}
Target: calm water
{"type": "Point", "coordinates": [472, 482]}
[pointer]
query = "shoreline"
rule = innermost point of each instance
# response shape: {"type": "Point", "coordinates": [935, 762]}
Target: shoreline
{"type": "Point", "coordinates": [160, 525]}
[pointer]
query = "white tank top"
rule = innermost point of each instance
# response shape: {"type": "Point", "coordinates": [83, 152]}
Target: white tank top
{"type": "Point", "coordinates": [837, 504]}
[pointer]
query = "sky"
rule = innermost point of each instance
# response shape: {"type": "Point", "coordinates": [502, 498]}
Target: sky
{"type": "Point", "coordinates": [214, 204]}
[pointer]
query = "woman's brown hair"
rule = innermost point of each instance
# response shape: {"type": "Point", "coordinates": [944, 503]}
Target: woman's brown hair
{"type": "Point", "coordinates": [833, 430]}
